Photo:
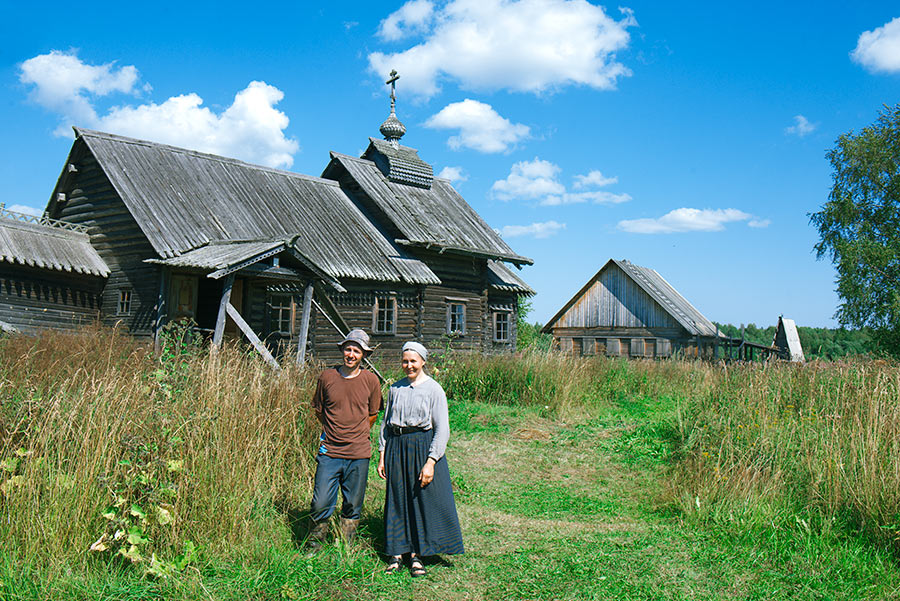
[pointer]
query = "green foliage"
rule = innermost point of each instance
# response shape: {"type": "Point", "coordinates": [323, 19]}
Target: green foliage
{"type": "Point", "coordinates": [528, 335]}
{"type": "Point", "coordinates": [859, 227]}
{"type": "Point", "coordinates": [817, 343]}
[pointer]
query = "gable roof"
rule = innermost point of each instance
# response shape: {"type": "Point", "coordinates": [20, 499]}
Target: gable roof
{"type": "Point", "coordinates": [659, 290]}
{"type": "Point", "coordinates": [435, 217]}
{"type": "Point", "coordinates": [787, 338]}
{"type": "Point", "coordinates": [183, 200]}
{"type": "Point", "coordinates": [48, 247]}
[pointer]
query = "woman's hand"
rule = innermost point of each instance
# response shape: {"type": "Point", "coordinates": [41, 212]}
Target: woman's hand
{"type": "Point", "coordinates": [381, 473]}
{"type": "Point", "coordinates": [427, 473]}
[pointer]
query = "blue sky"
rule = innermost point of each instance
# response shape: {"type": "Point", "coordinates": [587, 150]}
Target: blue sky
{"type": "Point", "coordinates": [689, 138]}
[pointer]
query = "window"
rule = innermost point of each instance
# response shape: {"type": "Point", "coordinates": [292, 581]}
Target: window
{"type": "Point", "coordinates": [384, 315]}
{"type": "Point", "coordinates": [124, 307]}
{"type": "Point", "coordinates": [456, 318]}
{"type": "Point", "coordinates": [501, 326]}
{"type": "Point", "coordinates": [283, 308]}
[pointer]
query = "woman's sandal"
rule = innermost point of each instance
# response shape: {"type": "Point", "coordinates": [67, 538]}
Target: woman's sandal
{"type": "Point", "coordinates": [416, 567]}
{"type": "Point", "coordinates": [393, 565]}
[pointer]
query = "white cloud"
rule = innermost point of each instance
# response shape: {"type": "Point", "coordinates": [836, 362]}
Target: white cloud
{"type": "Point", "coordinates": [594, 196]}
{"type": "Point", "coordinates": [759, 222]}
{"type": "Point", "coordinates": [686, 220]}
{"type": "Point", "coordinates": [594, 179]}
{"type": "Point", "coordinates": [454, 174]}
{"type": "Point", "coordinates": [480, 127]}
{"type": "Point", "coordinates": [538, 230]}
{"type": "Point", "coordinates": [62, 83]}
{"type": "Point", "coordinates": [529, 180]}
{"type": "Point", "coordinates": [879, 50]}
{"type": "Point", "coordinates": [538, 180]}
{"type": "Point", "coordinates": [520, 45]}
{"type": "Point", "coordinates": [26, 210]}
{"type": "Point", "coordinates": [801, 127]}
{"type": "Point", "coordinates": [411, 18]}
{"type": "Point", "coordinates": [251, 128]}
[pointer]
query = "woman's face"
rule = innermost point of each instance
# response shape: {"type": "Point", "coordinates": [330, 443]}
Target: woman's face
{"type": "Point", "coordinates": [412, 364]}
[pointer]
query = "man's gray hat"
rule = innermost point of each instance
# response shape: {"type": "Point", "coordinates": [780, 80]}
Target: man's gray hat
{"type": "Point", "coordinates": [357, 337]}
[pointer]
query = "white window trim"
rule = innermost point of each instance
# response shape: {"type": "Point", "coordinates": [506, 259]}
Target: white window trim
{"type": "Point", "coordinates": [462, 303]}
{"type": "Point", "coordinates": [508, 315]}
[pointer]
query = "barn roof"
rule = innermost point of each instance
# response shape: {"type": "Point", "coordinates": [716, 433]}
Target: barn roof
{"type": "Point", "coordinates": [660, 290]}
{"type": "Point", "coordinates": [184, 200]}
{"type": "Point", "coordinates": [434, 217]}
{"type": "Point", "coordinates": [788, 339]}
{"type": "Point", "coordinates": [501, 277]}
{"type": "Point", "coordinates": [48, 247]}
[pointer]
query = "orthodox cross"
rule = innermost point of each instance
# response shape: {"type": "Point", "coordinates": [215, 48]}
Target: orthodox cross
{"type": "Point", "coordinates": [392, 81]}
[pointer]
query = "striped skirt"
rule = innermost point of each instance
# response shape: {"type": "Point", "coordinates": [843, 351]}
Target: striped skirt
{"type": "Point", "coordinates": [418, 520]}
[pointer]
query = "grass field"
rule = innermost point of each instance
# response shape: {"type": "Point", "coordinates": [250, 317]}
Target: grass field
{"type": "Point", "coordinates": [574, 480]}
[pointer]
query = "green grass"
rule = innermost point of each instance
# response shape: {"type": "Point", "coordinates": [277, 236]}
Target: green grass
{"type": "Point", "coordinates": [590, 487]}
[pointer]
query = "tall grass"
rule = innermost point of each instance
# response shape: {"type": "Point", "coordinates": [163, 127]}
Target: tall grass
{"type": "Point", "coordinates": [762, 445]}
{"type": "Point", "coordinates": [211, 450]}
{"type": "Point", "coordinates": [805, 446]}
{"type": "Point", "coordinates": [165, 459]}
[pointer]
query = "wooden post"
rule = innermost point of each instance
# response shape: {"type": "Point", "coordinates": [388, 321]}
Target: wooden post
{"type": "Point", "coordinates": [223, 306]}
{"type": "Point", "coordinates": [304, 323]}
{"type": "Point", "coordinates": [251, 335]}
{"type": "Point", "coordinates": [161, 308]}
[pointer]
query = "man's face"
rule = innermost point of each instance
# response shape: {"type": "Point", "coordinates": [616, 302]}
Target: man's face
{"type": "Point", "coordinates": [353, 354]}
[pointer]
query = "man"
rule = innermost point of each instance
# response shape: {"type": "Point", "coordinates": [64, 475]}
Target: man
{"type": "Point", "coordinates": [347, 401]}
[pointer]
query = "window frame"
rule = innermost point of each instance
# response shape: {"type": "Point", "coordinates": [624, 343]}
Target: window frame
{"type": "Point", "coordinates": [377, 306]}
{"type": "Point", "coordinates": [450, 330]}
{"type": "Point", "coordinates": [276, 312]}
{"type": "Point", "coordinates": [123, 306]}
{"type": "Point", "coordinates": [508, 324]}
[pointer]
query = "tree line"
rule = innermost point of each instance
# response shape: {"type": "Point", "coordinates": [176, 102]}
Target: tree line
{"type": "Point", "coordinates": [817, 343]}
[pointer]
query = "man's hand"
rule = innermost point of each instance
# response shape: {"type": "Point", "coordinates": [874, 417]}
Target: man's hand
{"type": "Point", "coordinates": [381, 473]}
{"type": "Point", "coordinates": [427, 473]}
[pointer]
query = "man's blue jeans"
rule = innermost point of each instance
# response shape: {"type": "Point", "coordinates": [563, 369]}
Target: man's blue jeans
{"type": "Point", "coordinates": [351, 475]}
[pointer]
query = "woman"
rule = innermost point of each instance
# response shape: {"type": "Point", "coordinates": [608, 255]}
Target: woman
{"type": "Point", "coordinates": [419, 511]}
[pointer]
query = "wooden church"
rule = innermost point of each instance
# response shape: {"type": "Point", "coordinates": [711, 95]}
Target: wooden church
{"type": "Point", "coordinates": [141, 234]}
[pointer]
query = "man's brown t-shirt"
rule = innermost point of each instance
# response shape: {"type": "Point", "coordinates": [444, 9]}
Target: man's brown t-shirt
{"type": "Point", "coordinates": [345, 405]}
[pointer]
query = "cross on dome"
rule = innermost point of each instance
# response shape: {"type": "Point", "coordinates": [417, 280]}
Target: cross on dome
{"type": "Point", "coordinates": [392, 129]}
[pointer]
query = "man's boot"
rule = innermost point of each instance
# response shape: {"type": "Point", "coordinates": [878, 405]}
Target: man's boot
{"type": "Point", "coordinates": [317, 533]}
{"type": "Point", "coordinates": [348, 529]}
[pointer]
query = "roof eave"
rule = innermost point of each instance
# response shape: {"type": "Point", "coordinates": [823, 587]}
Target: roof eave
{"type": "Point", "coordinates": [481, 254]}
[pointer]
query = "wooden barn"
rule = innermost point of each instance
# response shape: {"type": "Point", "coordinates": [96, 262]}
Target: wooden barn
{"type": "Point", "coordinates": [147, 233]}
{"type": "Point", "coordinates": [631, 311]}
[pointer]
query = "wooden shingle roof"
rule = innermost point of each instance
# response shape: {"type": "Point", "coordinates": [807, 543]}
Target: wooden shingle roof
{"type": "Point", "coordinates": [659, 290]}
{"type": "Point", "coordinates": [48, 247]}
{"type": "Point", "coordinates": [501, 277]}
{"type": "Point", "coordinates": [183, 200]}
{"type": "Point", "coordinates": [436, 217]}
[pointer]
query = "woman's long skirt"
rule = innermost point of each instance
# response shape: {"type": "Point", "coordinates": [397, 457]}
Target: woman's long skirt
{"type": "Point", "coordinates": [416, 519]}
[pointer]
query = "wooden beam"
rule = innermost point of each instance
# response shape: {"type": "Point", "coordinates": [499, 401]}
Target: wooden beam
{"type": "Point", "coordinates": [161, 309]}
{"type": "Point", "coordinates": [223, 305]}
{"type": "Point", "coordinates": [251, 336]}
{"type": "Point", "coordinates": [304, 323]}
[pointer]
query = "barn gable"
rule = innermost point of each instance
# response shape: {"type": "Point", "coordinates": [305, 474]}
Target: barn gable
{"type": "Point", "coordinates": [623, 294]}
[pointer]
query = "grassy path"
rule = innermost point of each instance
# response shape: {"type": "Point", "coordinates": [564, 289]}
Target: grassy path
{"type": "Point", "coordinates": [572, 510]}
{"type": "Point", "coordinates": [551, 509]}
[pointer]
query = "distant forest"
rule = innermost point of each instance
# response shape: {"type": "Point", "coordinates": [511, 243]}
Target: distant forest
{"type": "Point", "coordinates": [824, 343]}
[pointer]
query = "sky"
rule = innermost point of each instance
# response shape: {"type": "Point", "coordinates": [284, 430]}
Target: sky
{"type": "Point", "coordinates": [690, 138]}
